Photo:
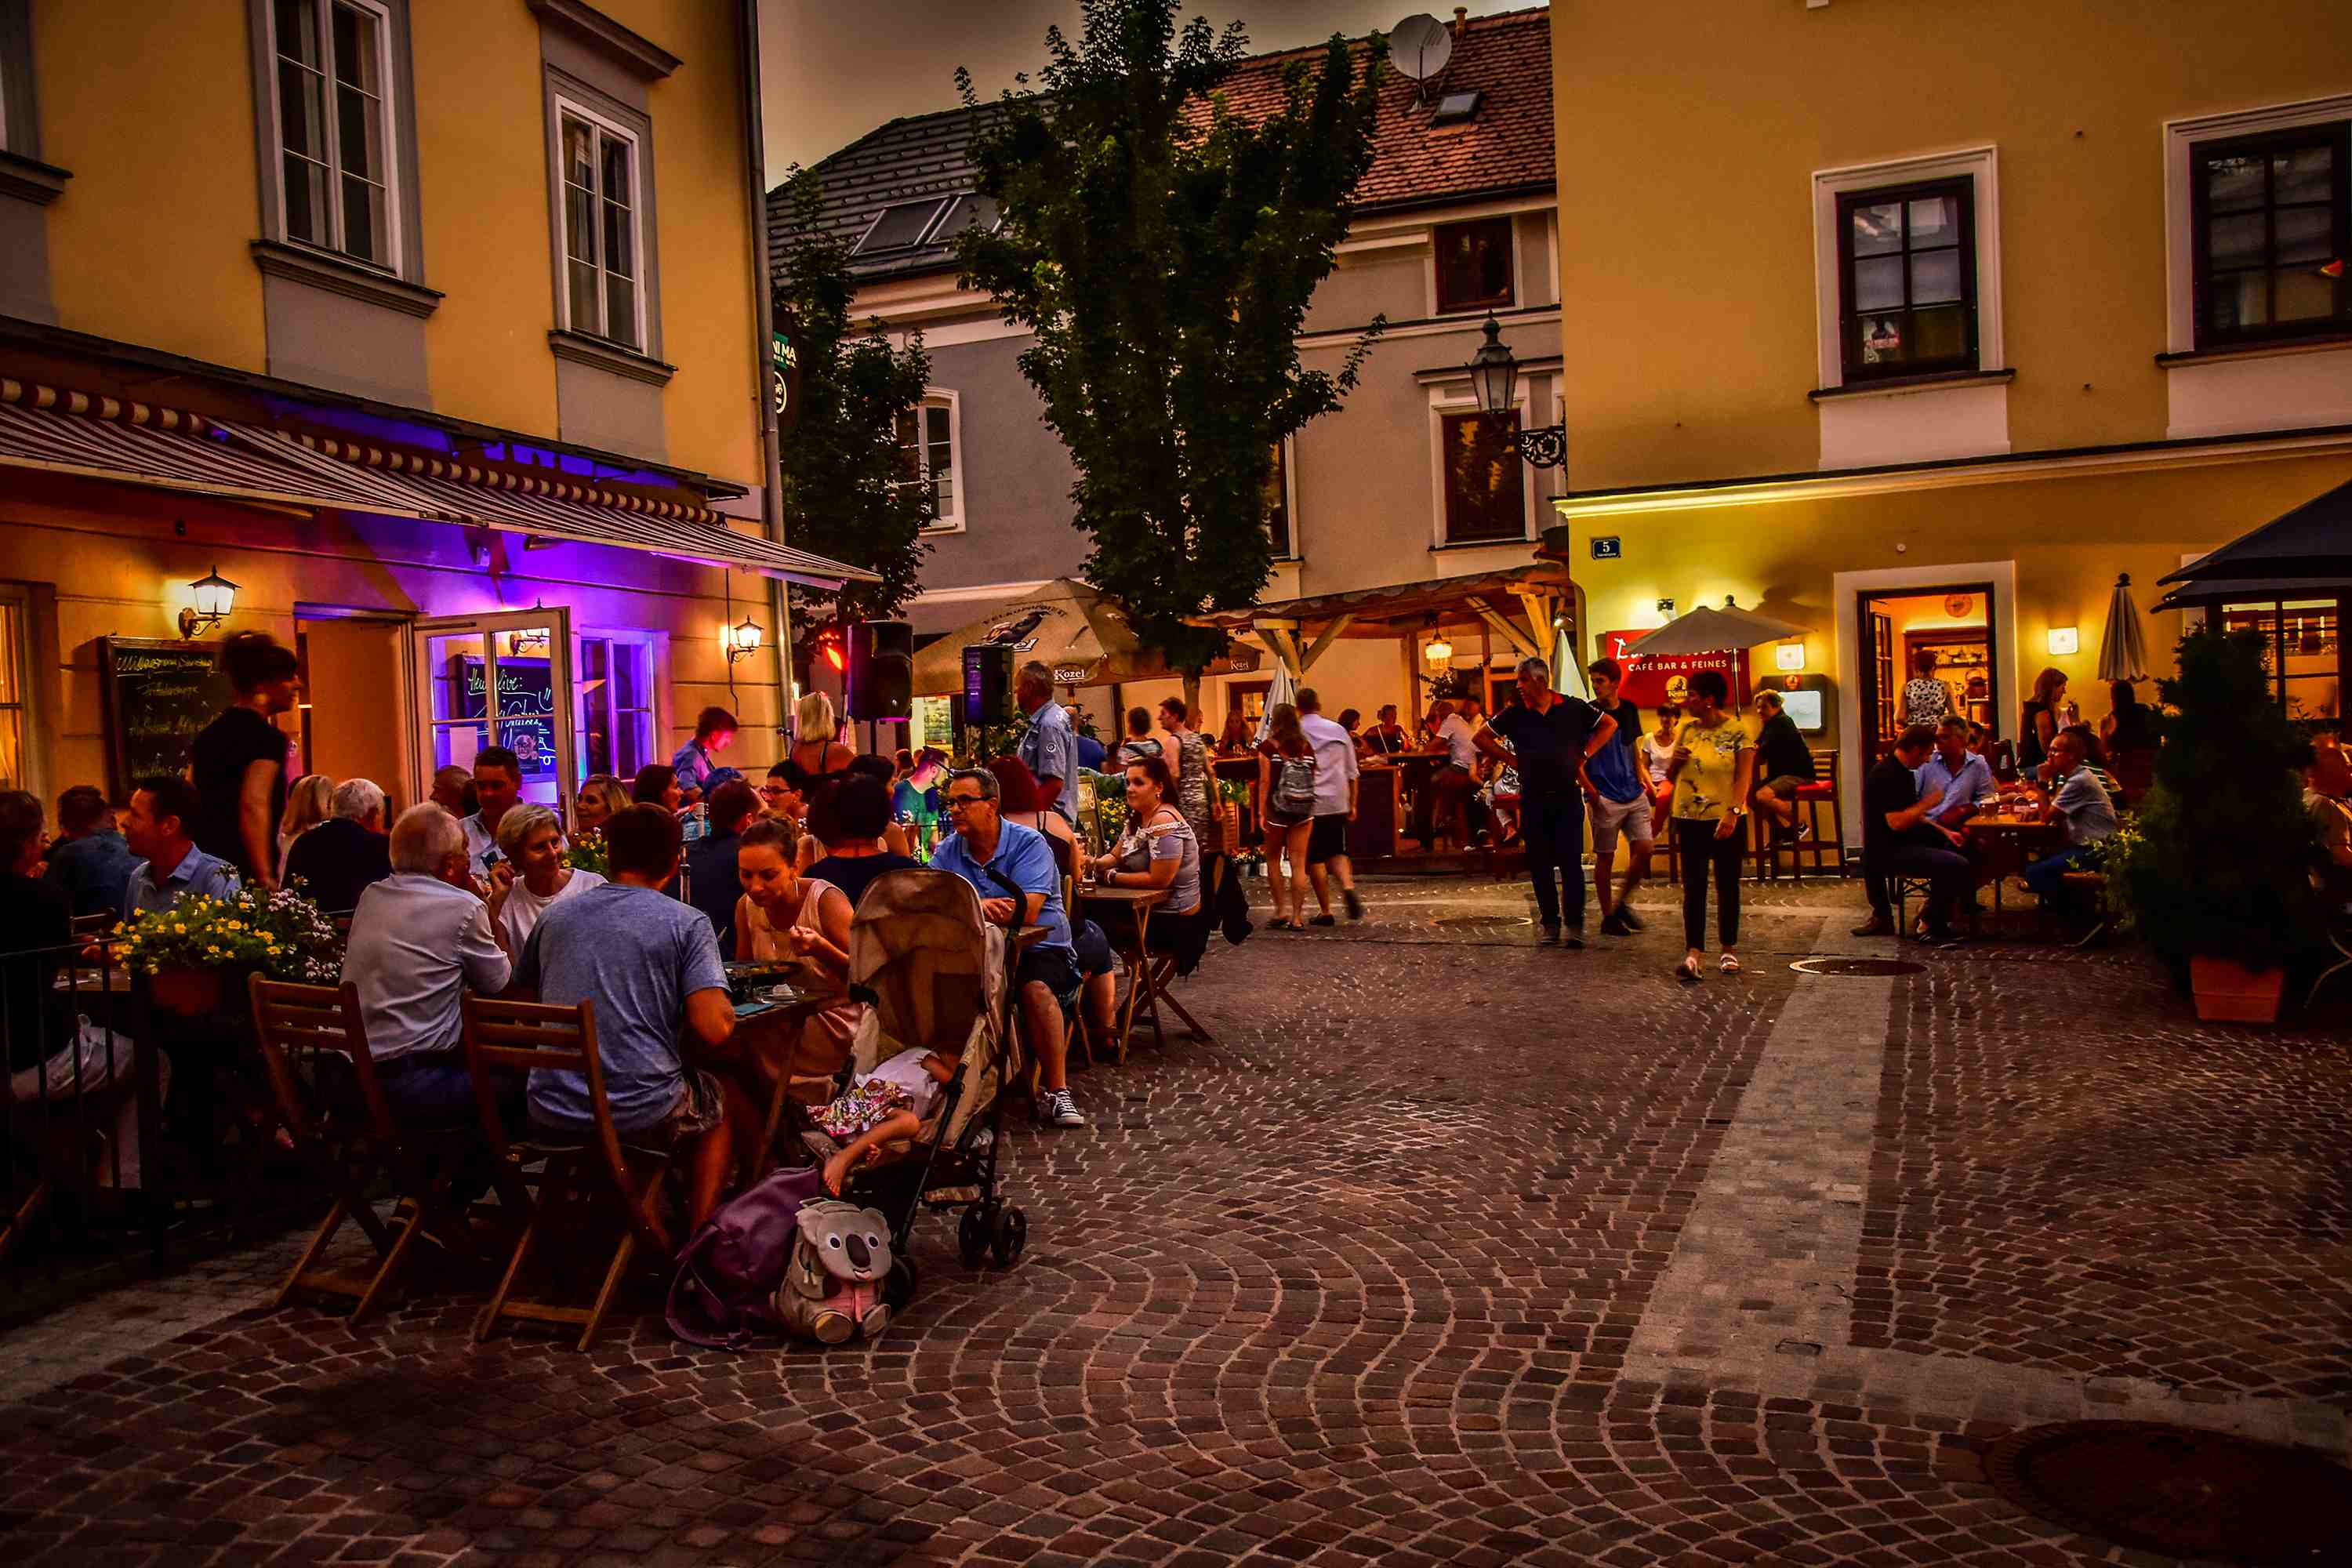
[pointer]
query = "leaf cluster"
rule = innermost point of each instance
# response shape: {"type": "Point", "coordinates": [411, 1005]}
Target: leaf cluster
{"type": "Point", "coordinates": [1163, 248]}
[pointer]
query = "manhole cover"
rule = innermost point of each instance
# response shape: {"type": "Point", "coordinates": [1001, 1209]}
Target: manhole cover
{"type": "Point", "coordinates": [2179, 1491]}
{"type": "Point", "coordinates": [1857, 966]}
{"type": "Point", "coordinates": [1480, 922]}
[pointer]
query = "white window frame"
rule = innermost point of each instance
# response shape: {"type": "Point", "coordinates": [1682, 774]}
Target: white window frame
{"type": "Point", "coordinates": [386, 101]}
{"type": "Point", "coordinates": [1981, 167]}
{"type": "Point", "coordinates": [31, 731]}
{"type": "Point", "coordinates": [2181, 138]}
{"type": "Point", "coordinates": [568, 107]}
{"type": "Point", "coordinates": [1450, 397]}
{"type": "Point", "coordinates": [954, 521]}
{"type": "Point", "coordinates": [656, 650]}
{"type": "Point", "coordinates": [1289, 445]}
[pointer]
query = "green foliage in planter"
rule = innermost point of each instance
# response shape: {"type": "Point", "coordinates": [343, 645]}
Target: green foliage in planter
{"type": "Point", "coordinates": [282, 936]}
{"type": "Point", "coordinates": [2222, 866]}
{"type": "Point", "coordinates": [585, 852]}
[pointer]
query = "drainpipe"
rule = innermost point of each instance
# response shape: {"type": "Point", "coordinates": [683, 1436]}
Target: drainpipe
{"type": "Point", "coordinates": [771, 500]}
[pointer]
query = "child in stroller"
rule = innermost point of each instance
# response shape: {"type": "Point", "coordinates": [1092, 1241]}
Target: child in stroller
{"type": "Point", "coordinates": [886, 1106]}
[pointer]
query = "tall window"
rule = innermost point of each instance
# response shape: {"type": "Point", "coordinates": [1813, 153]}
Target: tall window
{"type": "Point", "coordinates": [1474, 264]}
{"type": "Point", "coordinates": [926, 456]}
{"type": "Point", "coordinates": [16, 702]}
{"type": "Point", "coordinates": [1907, 280]}
{"type": "Point", "coordinates": [1277, 502]}
{"type": "Point", "coordinates": [2303, 653]}
{"type": "Point", "coordinates": [1485, 495]}
{"type": "Point", "coordinates": [602, 294]}
{"type": "Point", "coordinates": [2273, 234]}
{"type": "Point", "coordinates": [334, 141]}
{"type": "Point", "coordinates": [616, 705]}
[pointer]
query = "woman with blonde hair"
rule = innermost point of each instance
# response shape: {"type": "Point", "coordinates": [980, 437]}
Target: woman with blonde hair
{"type": "Point", "coordinates": [817, 758]}
{"type": "Point", "coordinates": [602, 798]}
{"type": "Point", "coordinates": [309, 801]}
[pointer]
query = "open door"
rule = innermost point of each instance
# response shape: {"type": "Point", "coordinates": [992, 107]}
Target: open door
{"type": "Point", "coordinates": [503, 679]}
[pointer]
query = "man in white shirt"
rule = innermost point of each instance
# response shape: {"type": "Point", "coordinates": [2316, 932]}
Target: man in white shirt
{"type": "Point", "coordinates": [1336, 778]}
{"type": "Point", "coordinates": [497, 785]}
{"type": "Point", "coordinates": [419, 938]}
{"type": "Point", "coordinates": [1457, 780]}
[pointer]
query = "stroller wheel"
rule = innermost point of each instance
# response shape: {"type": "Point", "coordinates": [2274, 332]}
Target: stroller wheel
{"type": "Point", "coordinates": [1012, 1236]}
{"type": "Point", "coordinates": [973, 1235]}
{"type": "Point", "coordinates": [899, 1285]}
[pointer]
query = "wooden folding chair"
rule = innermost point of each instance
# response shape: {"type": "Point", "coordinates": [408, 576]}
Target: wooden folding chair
{"type": "Point", "coordinates": [346, 1150]}
{"type": "Point", "coordinates": [1163, 965]}
{"type": "Point", "coordinates": [577, 1190]}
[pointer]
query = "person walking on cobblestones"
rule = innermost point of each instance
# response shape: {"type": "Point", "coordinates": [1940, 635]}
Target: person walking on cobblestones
{"type": "Point", "coordinates": [1714, 764]}
{"type": "Point", "coordinates": [1552, 737]}
{"type": "Point", "coordinates": [1621, 802]}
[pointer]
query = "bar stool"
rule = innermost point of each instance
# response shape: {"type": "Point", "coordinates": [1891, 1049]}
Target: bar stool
{"type": "Point", "coordinates": [1821, 852]}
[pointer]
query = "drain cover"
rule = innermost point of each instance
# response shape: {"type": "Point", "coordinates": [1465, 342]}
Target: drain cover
{"type": "Point", "coordinates": [1857, 966]}
{"type": "Point", "coordinates": [1480, 922]}
{"type": "Point", "coordinates": [2179, 1491]}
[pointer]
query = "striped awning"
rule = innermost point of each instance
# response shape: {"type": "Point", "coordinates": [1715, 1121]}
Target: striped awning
{"type": "Point", "coordinates": [47, 430]}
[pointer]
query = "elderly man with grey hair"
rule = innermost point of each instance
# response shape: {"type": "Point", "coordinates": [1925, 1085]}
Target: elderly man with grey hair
{"type": "Point", "coordinates": [418, 940]}
{"type": "Point", "coordinates": [1551, 739]}
{"type": "Point", "coordinates": [347, 854]}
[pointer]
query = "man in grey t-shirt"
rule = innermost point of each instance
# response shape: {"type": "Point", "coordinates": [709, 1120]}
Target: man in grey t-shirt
{"type": "Point", "coordinates": [2080, 802]}
{"type": "Point", "coordinates": [650, 965]}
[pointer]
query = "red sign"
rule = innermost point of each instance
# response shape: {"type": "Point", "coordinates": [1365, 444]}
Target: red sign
{"type": "Point", "coordinates": [1664, 678]}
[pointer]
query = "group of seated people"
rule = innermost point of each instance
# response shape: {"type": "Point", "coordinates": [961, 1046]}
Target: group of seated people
{"type": "Point", "coordinates": [1917, 801]}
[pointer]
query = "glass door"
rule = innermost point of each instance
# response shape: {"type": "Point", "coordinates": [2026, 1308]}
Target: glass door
{"type": "Point", "coordinates": [503, 681]}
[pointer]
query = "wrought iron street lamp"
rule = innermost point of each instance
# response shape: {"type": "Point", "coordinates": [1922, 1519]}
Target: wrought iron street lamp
{"type": "Point", "coordinates": [1494, 379]}
{"type": "Point", "coordinates": [215, 598]}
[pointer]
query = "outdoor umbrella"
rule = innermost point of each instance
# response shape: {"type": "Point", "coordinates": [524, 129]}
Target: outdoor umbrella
{"type": "Point", "coordinates": [1704, 631]}
{"type": "Point", "coordinates": [1284, 690]}
{"type": "Point", "coordinates": [1068, 626]}
{"type": "Point", "coordinates": [2123, 653]}
{"type": "Point", "coordinates": [1566, 674]}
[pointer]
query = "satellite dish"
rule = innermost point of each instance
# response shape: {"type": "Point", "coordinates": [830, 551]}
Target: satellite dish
{"type": "Point", "coordinates": [1419, 47]}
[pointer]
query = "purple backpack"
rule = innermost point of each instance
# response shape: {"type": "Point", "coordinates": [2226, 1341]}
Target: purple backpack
{"type": "Point", "coordinates": [727, 1276]}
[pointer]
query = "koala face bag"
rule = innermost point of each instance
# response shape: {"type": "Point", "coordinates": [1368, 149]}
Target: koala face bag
{"type": "Point", "coordinates": [834, 1287]}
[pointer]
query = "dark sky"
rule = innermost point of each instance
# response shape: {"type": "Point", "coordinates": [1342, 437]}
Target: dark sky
{"type": "Point", "coordinates": [836, 70]}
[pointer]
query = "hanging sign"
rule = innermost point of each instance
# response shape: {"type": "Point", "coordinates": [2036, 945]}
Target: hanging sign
{"type": "Point", "coordinates": [1666, 678]}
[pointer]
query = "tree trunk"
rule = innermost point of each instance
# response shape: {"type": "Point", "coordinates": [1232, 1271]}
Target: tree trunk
{"type": "Point", "coordinates": [1193, 697]}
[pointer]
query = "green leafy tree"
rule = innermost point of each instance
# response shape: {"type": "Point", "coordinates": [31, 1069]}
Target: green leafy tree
{"type": "Point", "coordinates": [2222, 864]}
{"type": "Point", "coordinates": [1163, 248]}
{"type": "Point", "coordinates": [845, 480]}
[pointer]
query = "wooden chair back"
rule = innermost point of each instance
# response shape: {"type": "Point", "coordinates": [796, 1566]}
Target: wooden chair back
{"type": "Point", "coordinates": [290, 1019]}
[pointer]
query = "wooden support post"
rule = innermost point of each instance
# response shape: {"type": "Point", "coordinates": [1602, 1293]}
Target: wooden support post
{"type": "Point", "coordinates": [1412, 681]}
{"type": "Point", "coordinates": [1538, 608]}
{"type": "Point", "coordinates": [1511, 634]}
{"type": "Point", "coordinates": [1486, 662]}
{"type": "Point", "coordinates": [1339, 625]}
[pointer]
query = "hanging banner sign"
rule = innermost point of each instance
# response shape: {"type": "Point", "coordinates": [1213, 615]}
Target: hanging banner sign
{"type": "Point", "coordinates": [1666, 678]}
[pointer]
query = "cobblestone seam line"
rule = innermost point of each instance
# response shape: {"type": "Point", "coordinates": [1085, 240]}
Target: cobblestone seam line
{"type": "Point", "coordinates": [1756, 1296]}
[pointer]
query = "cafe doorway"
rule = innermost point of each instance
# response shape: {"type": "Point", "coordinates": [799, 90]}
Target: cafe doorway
{"type": "Point", "coordinates": [502, 679]}
{"type": "Point", "coordinates": [356, 698]}
{"type": "Point", "coordinates": [1941, 634]}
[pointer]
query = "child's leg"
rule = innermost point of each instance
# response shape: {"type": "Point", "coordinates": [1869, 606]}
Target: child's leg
{"type": "Point", "coordinates": [897, 1125]}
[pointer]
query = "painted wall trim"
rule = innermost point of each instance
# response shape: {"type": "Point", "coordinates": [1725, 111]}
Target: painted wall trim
{"type": "Point", "coordinates": [2179, 137]}
{"type": "Point", "coordinates": [1915, 424]}
{"type": "Point", "coordinates": [29, 180]}
{"type": "Point", "coordinates": [2191, 453]}
{"type": "Point", "coordinates": [318, 269]}
{"type": "Point", "coordinates": [581, 349]}
{"type": "Point", "coordinates": [632, 49]}
{"type": "Point", "coordinates": [1979, 166]}
{"type": "Point", "coordinates": [2236, 394]}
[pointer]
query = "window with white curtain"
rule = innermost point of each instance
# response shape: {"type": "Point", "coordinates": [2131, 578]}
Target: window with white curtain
{"type": "Point", "coordinates": [16, 733]}
{"type": "Point", "coordinates": [928, 455]}
{"type": "Point", "coordinates": [332, 67]}
{"type": "Point", "coordinates": [603, 292]}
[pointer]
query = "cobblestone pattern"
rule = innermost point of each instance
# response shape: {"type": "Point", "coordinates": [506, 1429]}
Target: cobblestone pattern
{"type": "Point", "coordinates": [2084, 1178]}
{"type": "Point", "coordinates": [1363, 1282]}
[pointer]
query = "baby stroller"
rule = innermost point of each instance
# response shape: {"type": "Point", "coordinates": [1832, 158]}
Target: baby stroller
{"type": "Point", "coordinates": [934, 976]}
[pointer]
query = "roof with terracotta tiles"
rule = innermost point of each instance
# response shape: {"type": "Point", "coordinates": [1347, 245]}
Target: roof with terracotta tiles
{"type": "Point", "coordinates": [923, 163]}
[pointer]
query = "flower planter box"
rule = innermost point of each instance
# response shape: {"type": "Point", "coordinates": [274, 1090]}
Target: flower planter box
{"type": "Point", "coordinates": [2228, 991]}
{"type": "Point", "coordinates": [189, 992]}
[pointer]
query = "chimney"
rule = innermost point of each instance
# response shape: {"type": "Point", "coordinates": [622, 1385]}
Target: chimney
{"type": "Point", "coordinates": [1461, 20]}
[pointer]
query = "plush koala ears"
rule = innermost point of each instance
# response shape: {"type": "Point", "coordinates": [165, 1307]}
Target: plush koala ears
{"type": "Point", "coordinates": [830, 1217]}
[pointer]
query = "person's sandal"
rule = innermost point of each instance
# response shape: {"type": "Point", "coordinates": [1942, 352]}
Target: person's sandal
{"type": "Point", "coordinates": [1687, 972]}
{"type": "Point", "coordinates": [1728, 963]}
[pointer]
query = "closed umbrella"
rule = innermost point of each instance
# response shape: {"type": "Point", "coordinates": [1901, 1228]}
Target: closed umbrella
{"type": "Point", "coordinates": [1566, 674]}
{"type": "Point", "coordinates": [2123, 652]}
{"type": "Point", "coordinates": [1704, 630]}
{"type": "Point", "coordinates": [1284, 690]}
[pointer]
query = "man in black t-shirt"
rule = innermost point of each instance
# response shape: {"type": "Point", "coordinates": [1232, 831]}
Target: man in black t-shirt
{"type": "Point", "coordinates": [1551, 737]}
{"type": "Point", "coordinates": [1899, 838]}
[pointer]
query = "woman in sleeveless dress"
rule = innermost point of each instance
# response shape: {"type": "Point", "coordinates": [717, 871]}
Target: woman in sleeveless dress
{"type": "Point", "coordinates": [783, 916]}
{"type": "Point", "coordinates": [816, 758]}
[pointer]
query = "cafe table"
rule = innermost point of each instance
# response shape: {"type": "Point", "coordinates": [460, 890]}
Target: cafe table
{"type": "Point", "coordinates": [1136, 905]}
{"type": "Point", "coordinates": [2001, 844]}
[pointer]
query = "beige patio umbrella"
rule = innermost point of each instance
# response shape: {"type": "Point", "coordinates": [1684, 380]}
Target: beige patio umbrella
{"type": "Point", "coordinates": [1704, 630]}
{"type": "Point", "coordinates": [1068, 626]}
{"type": "Point", "coordinates": [2123, 652]}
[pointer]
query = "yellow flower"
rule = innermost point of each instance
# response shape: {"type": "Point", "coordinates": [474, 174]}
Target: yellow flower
{"type": "Point", "coordinates": [177, 926]}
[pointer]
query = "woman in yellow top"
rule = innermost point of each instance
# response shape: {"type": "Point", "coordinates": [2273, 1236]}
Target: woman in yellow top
{"type": "Point", "coordinates": [1712, 769]}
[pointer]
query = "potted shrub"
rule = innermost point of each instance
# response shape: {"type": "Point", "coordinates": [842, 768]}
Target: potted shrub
{"type": "Point", "coordinates": [2220, 881]}
{"type": "Point", "coordinates": [194, 952]}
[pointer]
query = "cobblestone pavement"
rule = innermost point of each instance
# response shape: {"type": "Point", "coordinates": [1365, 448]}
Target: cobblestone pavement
{"type": "Point", "coordinates": [1451, 1250]}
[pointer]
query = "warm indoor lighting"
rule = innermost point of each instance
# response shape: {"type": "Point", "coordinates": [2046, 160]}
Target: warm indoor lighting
{"type": "Point", "coordinates": [1789, 655]}
{"type": "Point", "coordinates": [1439, 651]}
{"type": "Point", "coordinates": [741, 641]}
{"type": "Point", "coordinates": [215, 598]}
{"type": "Point", "coordinates": [2063, 640]}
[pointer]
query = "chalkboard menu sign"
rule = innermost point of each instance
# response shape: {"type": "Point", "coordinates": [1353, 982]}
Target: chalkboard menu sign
{"type": "Point", "coordinates": [526, 709]}
{"type": "Point", "coordinates": [158, 694]}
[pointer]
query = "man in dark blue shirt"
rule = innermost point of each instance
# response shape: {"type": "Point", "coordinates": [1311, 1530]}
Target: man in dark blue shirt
{"type": "Point", "coordinates": [89, 862]}
{"type": "Point", "coordinates": [1551, 737]}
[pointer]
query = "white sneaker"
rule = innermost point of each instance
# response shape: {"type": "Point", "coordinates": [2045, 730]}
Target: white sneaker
{"type": "Point", "coordinates": [1055, 1108]}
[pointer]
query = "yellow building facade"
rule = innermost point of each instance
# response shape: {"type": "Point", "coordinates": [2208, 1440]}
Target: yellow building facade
{"type": "Point", "coordinates": [1918, 325]}
{"type": "Point", "coordinates": [464, 309]}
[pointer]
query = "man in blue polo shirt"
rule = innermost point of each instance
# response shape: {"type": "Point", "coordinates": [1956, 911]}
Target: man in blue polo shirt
{"type": "Point", "coordinates": [1050, 747]}
{"type": "Point", "coordinates": [1014, 870]}
{"type": "Point", "coordinates": [170, 864]}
